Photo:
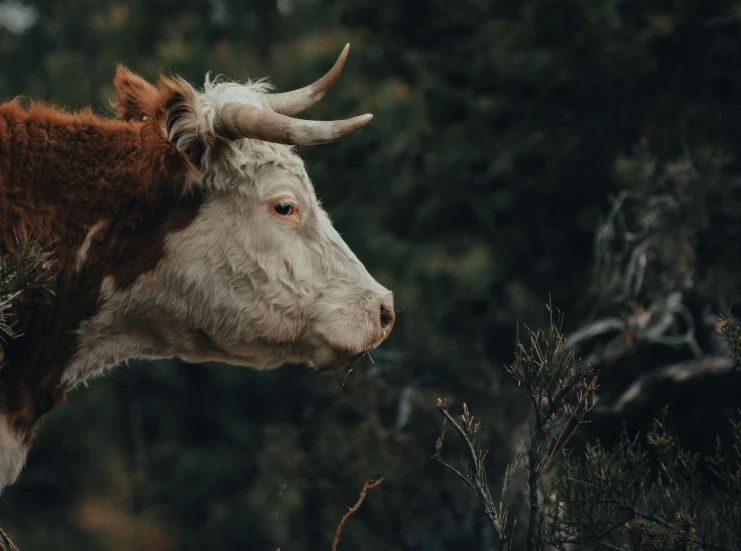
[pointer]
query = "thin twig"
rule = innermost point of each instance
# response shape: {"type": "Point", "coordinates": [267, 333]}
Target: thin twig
{"type": "Point", "coordinates": [456, 426]}
{"type": "Point", "coordinates": [640, 389]}
{"type": "Point", "coordinates": [457, 473]}
{"type": "Point", "coordinates": [594, 329]}
{"type": "Point", "coordinates": [8, 299]}
{"type": "Point", "coordinates": [369, 485]}
{"type": "Point", "coordinates": [474, 482]}
{"type": "Point", "coordinates": [5, 538]}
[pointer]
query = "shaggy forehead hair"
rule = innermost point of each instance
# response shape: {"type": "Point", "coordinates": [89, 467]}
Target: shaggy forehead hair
{"type": "Point", "coordinates": [242, 158]}
{"type": "Point", "coordinates": [237, 164]}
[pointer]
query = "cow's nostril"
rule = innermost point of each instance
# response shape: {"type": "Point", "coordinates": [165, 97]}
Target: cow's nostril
{"type": "Point", "coordinates": [387, 316]}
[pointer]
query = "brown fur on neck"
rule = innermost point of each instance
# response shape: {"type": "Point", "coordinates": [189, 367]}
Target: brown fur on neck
{"type": "Point", "coordinates": [60, 175]}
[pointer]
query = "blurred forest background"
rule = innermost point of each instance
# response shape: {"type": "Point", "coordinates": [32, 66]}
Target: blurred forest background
{"type": "Point", "coordinates": [521, 149]}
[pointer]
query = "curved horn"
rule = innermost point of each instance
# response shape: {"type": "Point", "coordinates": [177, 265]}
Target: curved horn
{"type": "Point", "coordinates": [235, 120]}
{"type": "Point", "coordinates": [290, 103]}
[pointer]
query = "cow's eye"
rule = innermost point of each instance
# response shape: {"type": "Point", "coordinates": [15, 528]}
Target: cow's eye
{"type": "Point", "coordinates": [284, 208]}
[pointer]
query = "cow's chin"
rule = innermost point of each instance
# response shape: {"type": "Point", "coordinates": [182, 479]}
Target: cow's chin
{"type": "Point", "coordinates": [326, 359]}
{"type": "Point", "coordinates": [314, 351]}
{"type": "Point", "coordinates": [331, 361]}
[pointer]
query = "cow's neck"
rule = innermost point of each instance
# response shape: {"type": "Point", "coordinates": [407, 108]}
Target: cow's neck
{"type": "Point", "coordinates": [85, 189]}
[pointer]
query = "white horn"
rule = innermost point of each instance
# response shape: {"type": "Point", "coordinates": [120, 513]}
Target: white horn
{"type": "Point", "coordinates": [290, 103]}
{"type": "Point", "coordinates": [236, 120]}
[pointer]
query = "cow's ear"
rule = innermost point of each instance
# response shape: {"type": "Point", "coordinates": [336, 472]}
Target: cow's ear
{"type": "Point", "coordinates": [135, 97]}
{"type": "Point", "coordinates": [182, 118]}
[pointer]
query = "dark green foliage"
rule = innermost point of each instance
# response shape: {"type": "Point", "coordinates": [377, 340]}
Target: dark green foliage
{"type": "Point", "coordinates": [504, 132]}
{"type": "Point", "coordinates": [562, 391]}
{"type": "Point", "coordinates": [732, 335]}
{"type": "Point", "coordinates": [670, 229]}
{"type": "Point", "coordinates": [643, 494]}
{"type": "Point", "coordinates": [474, 472]}
{"type": "Point", "coordinates": [21, 269]}
{"type": "Point", "coordinates": [646, 535]}
{"type": "Point", "coordinates": [648, 494]}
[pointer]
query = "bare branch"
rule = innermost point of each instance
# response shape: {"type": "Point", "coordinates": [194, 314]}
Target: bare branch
{"type": "Point", "coordinates": [369, 485]}
{"type": "Point", "coordinates": [592, 330]}
{"type": "Point", "coordinates": [682, 371]}
{"type": "Point", "coordinates": [476, 478]}
{"type": "Point", "coordinates": [457, 427]}
{"type": "Point", "coordinates": [6, 544]}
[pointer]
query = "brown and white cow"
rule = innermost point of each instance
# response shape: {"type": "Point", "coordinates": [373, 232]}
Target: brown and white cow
{"type": "Point", "coordinates": [187, 226]}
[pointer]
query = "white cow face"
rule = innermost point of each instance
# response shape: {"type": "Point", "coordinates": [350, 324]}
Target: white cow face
{"type": "Point", "coordinates": [263, 278]}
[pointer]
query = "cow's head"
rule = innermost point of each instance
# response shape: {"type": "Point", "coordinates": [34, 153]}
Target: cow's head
{"type": "Point", "coordinates": [259, 276]}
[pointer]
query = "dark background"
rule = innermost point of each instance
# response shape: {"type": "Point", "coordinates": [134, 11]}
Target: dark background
{"type": "Point", "coordinates": [503, 130]}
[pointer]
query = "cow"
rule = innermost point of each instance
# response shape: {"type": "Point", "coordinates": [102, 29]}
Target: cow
{"type": "Point", "coordinates": [185, 226]}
